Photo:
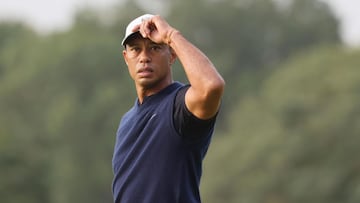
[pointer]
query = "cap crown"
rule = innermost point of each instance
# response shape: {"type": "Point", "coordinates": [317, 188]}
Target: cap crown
{"type": "Point", "coordinates": [134, 23]}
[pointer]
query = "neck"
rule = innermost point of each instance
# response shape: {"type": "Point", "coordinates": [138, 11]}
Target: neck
{"type": "Point", "coordinates": [144, 91]}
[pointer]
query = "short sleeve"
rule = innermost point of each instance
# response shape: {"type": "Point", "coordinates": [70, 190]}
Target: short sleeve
{"type": "Point", "coordinates": [187, 124]}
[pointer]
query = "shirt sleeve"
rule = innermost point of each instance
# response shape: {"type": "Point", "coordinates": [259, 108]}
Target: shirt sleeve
{"type": "Point", "coordinates": [187, 124]}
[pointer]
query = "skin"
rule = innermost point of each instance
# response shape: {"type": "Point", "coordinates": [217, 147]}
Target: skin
{"type": "Point", "coordinates": [150, 54]}
{"type": "Point", "coordinates": [149, 65]}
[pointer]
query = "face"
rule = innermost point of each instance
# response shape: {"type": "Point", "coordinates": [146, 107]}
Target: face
{"type": "Point", "coordinates": [149, 63]}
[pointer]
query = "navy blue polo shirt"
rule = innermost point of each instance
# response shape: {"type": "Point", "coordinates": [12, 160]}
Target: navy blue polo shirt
{"type": "Point", "coordinates": [159, 150]}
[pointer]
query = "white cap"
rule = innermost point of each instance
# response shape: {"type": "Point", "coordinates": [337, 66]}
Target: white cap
{"type": "Point", "coordinates": [134, 23]}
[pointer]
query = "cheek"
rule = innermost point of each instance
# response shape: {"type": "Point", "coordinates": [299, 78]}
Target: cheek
{"type": "Point", "coordinates": [131, 69]}
{"type": "Point", "coordinates": [166, 60]}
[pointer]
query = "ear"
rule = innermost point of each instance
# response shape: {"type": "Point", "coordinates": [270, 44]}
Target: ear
{"type": "Point", "coordinates": [125, 57]}
{"type": "Point", "coordinates": [173, 56]}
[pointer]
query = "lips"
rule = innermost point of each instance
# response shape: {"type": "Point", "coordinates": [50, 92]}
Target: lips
{"type": "Point", "coordinates": [145, 72]}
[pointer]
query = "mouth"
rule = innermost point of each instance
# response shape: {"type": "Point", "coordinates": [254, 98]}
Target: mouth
{"type": "Point", "coordinates": [145, 72]}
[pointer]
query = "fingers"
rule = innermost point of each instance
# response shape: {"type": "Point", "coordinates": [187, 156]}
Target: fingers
{"type": "Point", "coordinates": [154, 28]}
{"type": "Point", "coordinates": [143, 28]}
{"type": "Point", "coordinates": [136, 28]}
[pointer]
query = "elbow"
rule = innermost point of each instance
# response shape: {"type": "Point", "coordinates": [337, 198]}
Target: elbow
{"type": "Point", "coordinates": [219, 86]}
{"type": "Point", "coordinates": [215, 88]}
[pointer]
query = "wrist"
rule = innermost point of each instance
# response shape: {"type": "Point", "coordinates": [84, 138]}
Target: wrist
{"type": "Point", "coordinates": [170, 36]}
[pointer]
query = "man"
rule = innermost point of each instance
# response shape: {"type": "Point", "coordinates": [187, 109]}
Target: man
{"type": "Point", "coordinates": [163, 138]}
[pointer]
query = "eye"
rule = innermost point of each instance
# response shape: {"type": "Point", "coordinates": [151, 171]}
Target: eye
{"type": "Point", "coordinates": [134, 49]}
{"type": "Point", "coordinates": [156, 47]}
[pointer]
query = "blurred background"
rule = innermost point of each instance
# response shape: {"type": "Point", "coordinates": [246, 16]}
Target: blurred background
{"type": "Point", "coordinates": [289, 127]}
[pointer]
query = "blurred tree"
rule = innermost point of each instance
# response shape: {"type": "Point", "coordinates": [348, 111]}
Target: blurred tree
{"type": "Point", "coordinates": [247, 39]}
{"type": "Point", "coordinates": [296, 140]}
{"type": "Point", "coordinates": [22, 162]}
{"type": "Point", "coordinates": [13, 35]}
{"type": "Point", "coordinates": [86, 94]}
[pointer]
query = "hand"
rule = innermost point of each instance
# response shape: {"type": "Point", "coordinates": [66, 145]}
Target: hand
{"type": "Point", "coordinates": [156, 29]}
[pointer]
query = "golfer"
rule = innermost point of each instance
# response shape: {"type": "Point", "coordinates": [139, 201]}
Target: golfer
{"type": "Point", "coordinates": [162, 140]}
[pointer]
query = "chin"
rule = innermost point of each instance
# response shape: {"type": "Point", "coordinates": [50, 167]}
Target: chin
{"type": "Point", "coordinates": [147, 83]}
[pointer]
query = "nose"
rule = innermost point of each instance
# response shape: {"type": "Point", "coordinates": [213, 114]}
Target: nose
{"type": "Point", "coordinates": [145, 56]}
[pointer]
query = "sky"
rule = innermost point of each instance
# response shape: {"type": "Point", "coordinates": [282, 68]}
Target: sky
{"type": "Point", "coordinates": [46, 15]}
{"type": "Point", "coordinates": [348, 13]}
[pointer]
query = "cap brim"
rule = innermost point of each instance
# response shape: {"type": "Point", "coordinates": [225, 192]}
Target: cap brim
{"type": "Point", "coordinates": [127, 38]}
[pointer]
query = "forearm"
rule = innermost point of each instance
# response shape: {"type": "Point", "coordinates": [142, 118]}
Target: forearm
{"type": "Point", "coordinates": [207, 86]}
{"type": "Point", "coordinates": [199, 70]}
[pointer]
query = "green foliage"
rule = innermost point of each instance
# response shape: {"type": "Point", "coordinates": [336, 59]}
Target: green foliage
{"type": "Point", "coordinates": [250, 38]}
{"type": "Point", "coordinates": [62, 96]}
{"type": "Point", "coordinates": [296, 140]}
